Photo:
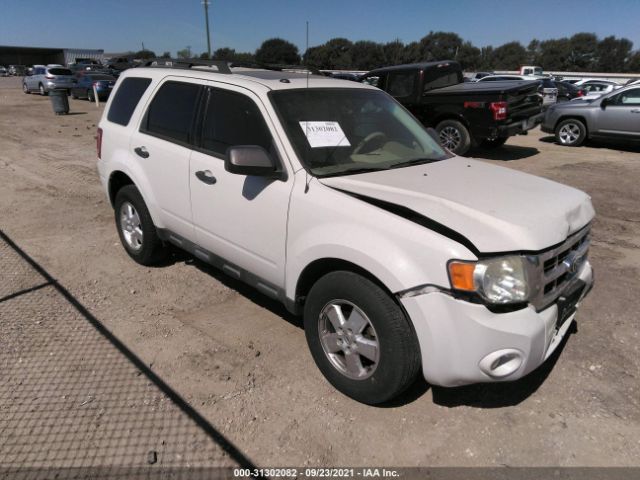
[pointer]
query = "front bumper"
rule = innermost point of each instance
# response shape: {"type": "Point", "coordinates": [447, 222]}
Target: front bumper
{"type": "Point", "coordinates": [463, 343]}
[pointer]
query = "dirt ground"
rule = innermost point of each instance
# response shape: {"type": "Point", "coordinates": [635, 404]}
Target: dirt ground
{"type": "Point", "coordinates": [242, 362]}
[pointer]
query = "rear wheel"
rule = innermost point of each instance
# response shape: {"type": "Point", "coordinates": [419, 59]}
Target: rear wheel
{"type": "Point", "coordinates": [136, 229]}
{"type": "Point", "coordinates": [571, 132]}
{"type": "Point", "coordinates": [43, 92]}
{"type": "Point", "coordinates": [360, 338]}
{"type": "Point", "coordinates": [493, 142]}
{"type": "Point", "coordinates": [25, 89]}
{"type": "Point", "coordinates": [454, 136]}
{"type": "Point", "coordinates": [90, 96]}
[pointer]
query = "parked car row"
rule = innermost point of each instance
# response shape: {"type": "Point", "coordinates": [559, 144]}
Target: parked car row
{"type": "Point", "coordinates": [80, 84]}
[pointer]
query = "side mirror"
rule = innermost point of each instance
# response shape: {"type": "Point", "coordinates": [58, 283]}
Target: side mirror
{"type": "Point", "coordinates": [250, 160]}
{"type": "Point", "coordinates": [604, 102]}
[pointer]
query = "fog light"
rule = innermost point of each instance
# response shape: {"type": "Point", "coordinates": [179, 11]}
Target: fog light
{"type": "Point", "coordinates": [501, 363]}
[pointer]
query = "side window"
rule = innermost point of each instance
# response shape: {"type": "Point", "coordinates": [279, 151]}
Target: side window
{"type": "Point", "coordinates": [443, 80]}
{"type": "Point", "coordinates": [172, 110]}
{"type": "Point", "coordinates": [401, 84]}
{"type": "Point", "coordinates": [373, 80]}
{"type": "Point", "coordinates": [628, 98]}
{"type": "Point", "coordinates": [233, 119]}
{"type": "Point", "coordinates": [127, 97]}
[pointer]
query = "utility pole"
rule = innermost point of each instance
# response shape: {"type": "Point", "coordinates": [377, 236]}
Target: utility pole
{"type": "Point", "coordinates": [206, 19]}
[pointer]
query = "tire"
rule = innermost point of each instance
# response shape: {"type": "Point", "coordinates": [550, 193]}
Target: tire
{"type": "Point", "coordinates": [493, 142]}
{"type": "Point", "coordinates": [43, 92]}
{"type": "Point", "coordinates": [136, 229]}
{"type": "Point", "coordinates": [90, 96]}
{"type": "Point", "coordinates": [386, 370]}
{"type": "Point", "coordinates": [73, 95]}
{"type": "Point", "coordinates": [25, 89]}
{"type": "Point", "coordinates": [454, 136]}
{"type": "Point", "coordinates": [571, 133]}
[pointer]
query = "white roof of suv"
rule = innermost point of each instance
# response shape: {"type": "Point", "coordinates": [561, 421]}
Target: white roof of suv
{"type": "Point", "coordinates": [247, 77]}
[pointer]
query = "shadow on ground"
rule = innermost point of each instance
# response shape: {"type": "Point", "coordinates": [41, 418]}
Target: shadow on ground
{"type": "Point", "coordinates": [621, 146]}
{"type": "Point", "coordinates": [76, 402]}
{"type": "Point", "coordinates": [505, 153]}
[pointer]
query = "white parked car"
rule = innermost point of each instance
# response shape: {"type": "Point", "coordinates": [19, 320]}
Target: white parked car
{"type": "Point", "coordinates": [548, 90]}
{"type": "Point", "coordinates": [328, 196]}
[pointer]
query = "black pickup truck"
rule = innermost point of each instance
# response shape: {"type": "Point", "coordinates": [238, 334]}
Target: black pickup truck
{"type": "Point", "coordinates": [464, 114]}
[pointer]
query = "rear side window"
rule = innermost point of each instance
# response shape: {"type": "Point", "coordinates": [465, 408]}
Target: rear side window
{"type": "Point", "coordinates": [172, 111]}
{"type": "Point", "coordinates": [401, 84]}
{"type": "Point", "coordinates": [60, 71]}
{"type": "Point", "coordinates": [233, 119]}
{"type": "Point", "coordinates": [127, 97]}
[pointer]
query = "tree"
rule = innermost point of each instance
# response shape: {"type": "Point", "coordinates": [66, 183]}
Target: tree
{"type": "Point", "coordinates": [486, 58]}
{"type": "Point", "coordinates": [184, 53]}
{"type": "Point", "coordinates": [166, 55]}
{"type": "Point", "coordinates": [509, 56]}
{"type": "Point", "coordinates": [554, 54]}
{"type": "Point", "coordinates": [393, 52]}
{"type": "Point", "coordinates": [204, 56]}
{"type": "Point", "coordinates": [612, 54]}
{"type": "Point", "coordinates": [582, 55]}
{"type": "Point", "coordinates": [440, 46]}
{"type": "Point", "coordinates": [277, 51]}
{"type": "Point", "coordinates": [367, 55]}
{"type": "Point", "coordinates": [633, 63]}
{"type": "Point", "coordinates": [470, 57]}
{"type": "Point", "coordinates": [145, 54]}
{"type": "Point", "coordinates": [413, 53]}
{"type": "Point", "coordinates": [338, 54]}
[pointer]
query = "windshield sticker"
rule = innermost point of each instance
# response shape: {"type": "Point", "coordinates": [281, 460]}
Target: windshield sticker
{"type": "Point", "coordinates": [324, 134]}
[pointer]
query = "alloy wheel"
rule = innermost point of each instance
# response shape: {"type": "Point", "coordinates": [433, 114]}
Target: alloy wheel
{"type": "Point", "coordinates": [348, 339]}
{"type": "Point", "coordinates": [450, 138]}
{"type": "Point", "coordinates": [131, 226]}
{"type": "Point", "coordinates": [569, 133]}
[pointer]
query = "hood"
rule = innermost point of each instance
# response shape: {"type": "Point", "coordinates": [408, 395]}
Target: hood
{"type": "Point", "coordinates": [496, 208]}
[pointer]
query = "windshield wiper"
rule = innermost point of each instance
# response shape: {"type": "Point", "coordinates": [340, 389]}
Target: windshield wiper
{"type": "Point", "coordinates": [353, 171]}
{"type": "Point", "coordinates": [414, 161]}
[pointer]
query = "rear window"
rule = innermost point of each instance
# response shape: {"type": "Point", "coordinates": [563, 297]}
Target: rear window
{"type": "Point", "coordinates": [127, 97]}
{"type": "Point", "coordinates": [401, 84]}
{"type": "Point", "coordinates": [60, 71]}
{"type": "Point", "coordinates": [172, 110]}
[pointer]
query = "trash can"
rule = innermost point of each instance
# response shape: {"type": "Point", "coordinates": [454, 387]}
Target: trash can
{"type": "Point", "coordinates": [59, 101]}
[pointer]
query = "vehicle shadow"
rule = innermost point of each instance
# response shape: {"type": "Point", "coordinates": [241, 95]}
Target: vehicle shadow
{"type": "Point", "coordinates": [505, 153]}
{"type": "Point", "coordinates": [622, 146]}
{"type": "Point", "coordinates": [498, 395]}
{"type": "Point", "coordinates": [76, 113]}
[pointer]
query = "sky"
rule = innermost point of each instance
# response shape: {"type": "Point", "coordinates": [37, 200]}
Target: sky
{"type": "Point", "coordinates": [171, 25]}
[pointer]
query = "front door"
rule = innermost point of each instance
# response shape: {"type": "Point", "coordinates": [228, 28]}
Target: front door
{"type": "Point", "coordinates": [242, 219]}
{"type": "Point", "coordinates": [621, 116]}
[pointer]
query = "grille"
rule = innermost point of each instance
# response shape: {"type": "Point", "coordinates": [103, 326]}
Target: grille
{"type": "Point", "coordinates": [557, 267]}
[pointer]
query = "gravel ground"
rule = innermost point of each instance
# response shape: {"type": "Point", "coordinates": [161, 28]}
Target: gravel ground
{"type": "Point", "coordinates": [242, 362]}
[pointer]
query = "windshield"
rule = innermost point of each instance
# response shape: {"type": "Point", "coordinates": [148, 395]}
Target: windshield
{"type": "Point", "coordinates": [343, 131]}
{"type": "Point", "coordinates": [60, 71]}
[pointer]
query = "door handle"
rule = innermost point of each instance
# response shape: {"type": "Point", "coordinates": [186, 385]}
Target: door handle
{"type": "Point", "coordinates": [141, 152]}
{"type": "Point", "coordinates": [206, 176]}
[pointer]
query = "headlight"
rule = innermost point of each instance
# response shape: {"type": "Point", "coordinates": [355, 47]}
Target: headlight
{"type": "Point", "coordinates": [499, 280]}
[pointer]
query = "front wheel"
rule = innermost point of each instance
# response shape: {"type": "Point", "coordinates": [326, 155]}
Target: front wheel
{"type": "Point", "coordinates": [571, 132]}
{"type": "Point", "coordinates": [360, 338]}
{"type": "Point", "coordinates": [454, 136]}
{"type": "Point", "coordinates": [43, 92]}
{"type": "Point", "coordinates": [25, 89]}
{"type": "Point", "coordinates": [136, 229]}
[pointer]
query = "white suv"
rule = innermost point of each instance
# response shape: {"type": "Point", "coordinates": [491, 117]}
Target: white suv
{"type": "Point", "coordinates": [330, 197]}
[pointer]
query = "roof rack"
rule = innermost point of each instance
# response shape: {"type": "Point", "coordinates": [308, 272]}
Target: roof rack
{"type": "Point", "coordinates": [276, 67]}
{"type": "Point", "coordinates": [222, 66]}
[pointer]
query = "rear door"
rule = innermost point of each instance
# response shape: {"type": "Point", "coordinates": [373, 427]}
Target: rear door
{"type": "Point", "coordinates": [242, 219]}
{"type": "Point", "coordinates": [161, 146]}
{"type": "Point", "coordinates": [621, 116]}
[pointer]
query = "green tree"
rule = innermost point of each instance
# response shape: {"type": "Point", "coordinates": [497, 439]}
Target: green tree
{"type": "Point", "coordinates": [509, 56]}
{"type": "Point", "coordinates": [393, 52]}
{"type": "Point", "coordinates": [413, 53]}
{"type": "Point", "coordinates": [166, 55]}
{"type": "Point", "coordinates": [184, 53]}
{"type": "Point", "coordinates": [612, 54]}
{"type": "Point", "coordinates": [469, 57]}
{"type": "Point", "coordinates": [633, 63]}
{"type": "Point", "coordinates": [367, 55]}
{"type": "Point", "coordinates": [440, 46]}
{"type": "Point", "coordinates": [278, 51]}
{"type": "Point", "coordinates": [554, 53]}
{"type": "Point", "coordinates": [338, 54]}
{"type": "Point", "coordinates": [145, 54]}
{"type": "Point", "coordinates": [582, 54]}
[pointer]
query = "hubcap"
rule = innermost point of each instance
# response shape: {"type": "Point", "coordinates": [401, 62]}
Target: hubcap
{"type": "Point", "coordinates": [450, 137]}
{"type": "Point", "coordinates": [569, 133]}
{"type": "Point", "coordinates": [348, 339]}
{"type": "Point", "coordinates": [130, 226]}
